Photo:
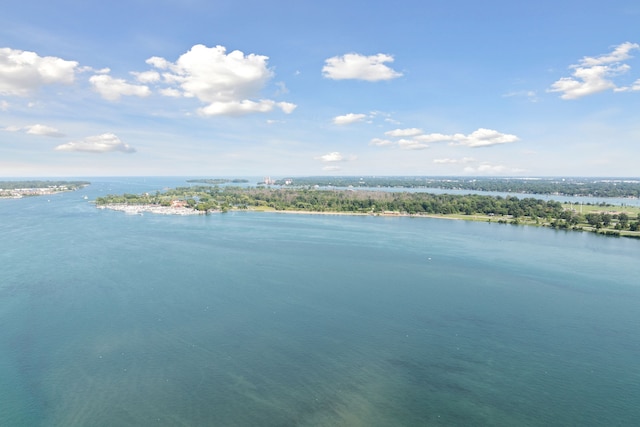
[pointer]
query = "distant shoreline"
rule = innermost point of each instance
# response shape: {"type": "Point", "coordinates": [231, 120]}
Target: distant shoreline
{"type": "Point", "coordinates": [187, 211]}
{"type": "Point", "coordinates": [176, 210]}
{"type": "Point", "coordinates": [34, 188]}
{"type": "Point", "coordinates": [155, 209]}
{"type": "Point", "coordinates": [184, 211]}
{"type": "Point", "coordinates": [376, 214]}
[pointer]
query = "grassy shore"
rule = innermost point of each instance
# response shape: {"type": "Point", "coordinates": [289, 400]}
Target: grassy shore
{"type": "Point", "coordinates": [632, 211]}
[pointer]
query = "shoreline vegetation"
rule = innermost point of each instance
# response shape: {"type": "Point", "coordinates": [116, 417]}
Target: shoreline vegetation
{"type": "Point", "coordinates": [19, 189]}
{"type": "Point", "coordinates": [199, 200]}
{"type": "Point", "coordinates": [570, 187]}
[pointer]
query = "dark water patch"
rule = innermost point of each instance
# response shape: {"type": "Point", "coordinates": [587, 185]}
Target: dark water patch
{"type": "Point", "coordinates": [436, 376]}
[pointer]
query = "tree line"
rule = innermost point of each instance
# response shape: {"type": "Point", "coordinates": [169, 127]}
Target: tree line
{"type": "Point", "coordinates": [14, 185]}
{"type": "Point", "coordinates": [361, 201]}
{"type": "Point", "coordinates": [505, 209]}
{"type": "Point", "coordinates": [592, 187]}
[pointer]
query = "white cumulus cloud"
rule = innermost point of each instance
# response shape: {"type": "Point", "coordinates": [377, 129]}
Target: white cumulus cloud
{"type": "Point", "coordinates": [334, 156]}
{"type": "Point", "coordinates": [435, 137]}
{"type": "Point", "coordinates": [36, 129]}
{"type": "Point", "coordinates": [237, 108]}
{"type": "Point", "coordinates": [411, 144]}
{"type": "Point", "coordinates": [404, 132]}
{"type": "Point", "coordinates": [147, 76]}
{"type": "Point", "coordinates": [43, 130]}
{"type": "Point", "coordinates": [414, 139]}
{"type": "Point", "coordinates": [348, 119]}
{"type": "Point", "coordinates": [104, 143]}
{"type": "Point", "coordinates": [379, 142]}
{"type": "Point", "coordinates": [360, 67]}
{"type": "Point", "coordinates": [228, 83]}
{"type": "Point", "coordinates": [595, 74]}
{"type": "Point", "coordinates": [287, 107]}
{"type": "Point", "coordinates": [171, 92]}
{"type": "Point", "coordinates": [483, 138]}
{"type": "Point", "coordinates": [22, 72]}
{"type": "Point", "coordinates": [112, 89]}
{"type": "Point", "coordinates": [620, 53]}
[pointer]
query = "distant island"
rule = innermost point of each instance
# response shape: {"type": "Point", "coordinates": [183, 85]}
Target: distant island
{"type": "Point", "coordinates": [588, 187]}
{"type": "Point", "coordinates": [601, 218]}
{"type": "Point", "coordinates": [19, 189]}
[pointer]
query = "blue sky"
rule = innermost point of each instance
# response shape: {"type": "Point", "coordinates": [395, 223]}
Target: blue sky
{"type": "Point", "coordinates": [255, 88]}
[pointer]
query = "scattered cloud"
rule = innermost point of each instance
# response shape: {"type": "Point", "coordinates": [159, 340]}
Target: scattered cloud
{"type": "Point", "coordinates": [454, 161]}
{"type": "Point", "coordinates": [404, 132]}
{"type": "Point", "coordinates": [227, 83]}
{"type": "Point", "coordinates": [386, 117]}
{"type": "Point", "coordinates": [381, 142]}
{"type": "Point", "coordinates": [530, 95]}
{"type": "Point", "coordinates": [620, 53]}
{"type": "Point", "coordinates": [483, 138]}
{"type": "Point", "coordinates": [348, 119]}
{"type": "Point", "coordinates": [331, 157]}
{"type": "Point", "coordinates": [238, 108]}
{"type": "Point", "coordinates": [418, 140]}
{"type": "Point", "coordinates": [44, 131]}
{"type": "Point", "coordinates": [147, 77]}
{"type": "Point", "coordinates": [332, 168]}
{"type": "Point", "coordinates": [595, 74]}
{"type": "Point", "coordinates": [287, 107]}
{"type": "Point", "coordinates": [37, 129]}
{"type": "Point", "coordinates": [87, 69]}
{"type": "Point", "coordinates": [4, 105]}
{"type": "Point", "coordinates": [170, 92]}
{"type": "Point", "coordinates": [359, 67]}
{"type": "Point", "coordinates": [112, 89]}
{"type": "Point", "coordinates": [411, 144]}
{"type": "Point", "coordinates": [104, 143]}
{"type": "Point", "coordinates": [435, 137]}
{"type": "Point", "coordinates": [22, 72]}
{"type": "Point", "coordinates": [282, 88]}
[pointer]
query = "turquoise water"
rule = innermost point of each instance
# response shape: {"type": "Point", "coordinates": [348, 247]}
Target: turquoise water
{"type": "Point", "coordinates": [244, 319]}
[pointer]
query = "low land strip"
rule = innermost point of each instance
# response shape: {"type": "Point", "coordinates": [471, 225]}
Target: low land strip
{"type": "Point", "coordinates": [609, 220]}
{"type": "Point", "coordinates": [19, 189]}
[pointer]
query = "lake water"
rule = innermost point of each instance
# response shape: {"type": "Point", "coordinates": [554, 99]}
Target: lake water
{"type": "Point", "coordinates": [265, 319]}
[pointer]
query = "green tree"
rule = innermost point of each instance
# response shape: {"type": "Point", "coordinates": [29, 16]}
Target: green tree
{"type": "Point", "coordinates": [594, 219]}
{"type": "Point", "coordinates": [623, 220]}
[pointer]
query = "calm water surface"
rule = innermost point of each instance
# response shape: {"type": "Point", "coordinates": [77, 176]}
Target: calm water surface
{"type": "Point", "coordinates": [245, 319]}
